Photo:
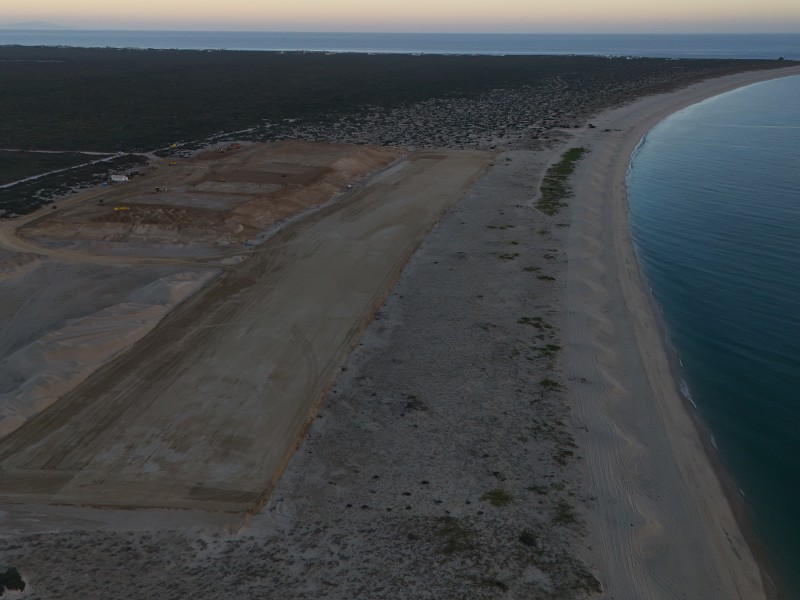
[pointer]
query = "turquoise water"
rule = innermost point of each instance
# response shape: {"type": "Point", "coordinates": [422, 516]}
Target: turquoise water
{"type": "Point", "coordinates": [715, 213]}
{"type": "Point", "coordinates": [768, 46]}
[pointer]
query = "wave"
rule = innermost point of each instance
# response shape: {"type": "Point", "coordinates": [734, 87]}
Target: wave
{"type": "Point", "coordinates": [687, 393]}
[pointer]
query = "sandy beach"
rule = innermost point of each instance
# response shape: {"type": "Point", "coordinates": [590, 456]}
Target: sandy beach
{"type": "Point", "coordinates": [508, 426]}
{"type": "Point", "coordinates": [646, 464]}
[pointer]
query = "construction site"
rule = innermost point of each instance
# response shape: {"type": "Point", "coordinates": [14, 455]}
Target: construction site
{"type": "Point", "coordinates": [196, 314]}
{"type": "Point", "coordinates": [215, 201]}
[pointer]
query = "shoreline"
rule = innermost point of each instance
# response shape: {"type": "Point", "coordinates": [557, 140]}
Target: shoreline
{"type": "Point", "coordinates": [703, 501]}
{"type": "Point", "coordinates": [774, 587]}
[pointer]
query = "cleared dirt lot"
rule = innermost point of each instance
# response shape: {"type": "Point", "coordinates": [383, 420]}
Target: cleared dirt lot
{"type": "Point", "coordinates": [205, 411]}
{"type": "Point", "coordinates": [55, 330]}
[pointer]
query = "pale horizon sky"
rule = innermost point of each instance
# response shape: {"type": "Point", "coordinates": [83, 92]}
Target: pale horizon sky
{"type": "Point", "coordinates": [497, 16]}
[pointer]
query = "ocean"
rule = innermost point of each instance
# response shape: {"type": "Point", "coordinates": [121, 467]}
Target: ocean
{"type": "Point", "coordinates": [766, 46]}
{"type": "Point", "coordinates": [714, 194]}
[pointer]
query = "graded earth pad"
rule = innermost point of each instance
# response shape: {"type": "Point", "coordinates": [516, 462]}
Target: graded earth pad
{"type": "Point", "coordinates": [205, 411]}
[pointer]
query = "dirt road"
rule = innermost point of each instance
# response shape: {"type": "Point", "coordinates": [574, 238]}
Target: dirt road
{"type": "Point", "coordinates": [205, 411]}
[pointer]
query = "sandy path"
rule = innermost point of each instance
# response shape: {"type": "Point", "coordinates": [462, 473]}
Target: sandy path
{"type": "Point", "coordinates": [205, 411]}
{"type": "Point", "coordinates": [662, 525]}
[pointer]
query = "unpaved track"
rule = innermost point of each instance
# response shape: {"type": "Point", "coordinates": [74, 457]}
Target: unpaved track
{"type": "Point", "coordinates": [205, 411]}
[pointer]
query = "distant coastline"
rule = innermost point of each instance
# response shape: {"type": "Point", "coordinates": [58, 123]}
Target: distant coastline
{"type": "Point", "coordinates": [750, 46]}
{"type": "Point", "coordinates": [33, 26]}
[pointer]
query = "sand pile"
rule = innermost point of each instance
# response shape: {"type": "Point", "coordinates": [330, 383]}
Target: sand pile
{"type": "Point", "coordinates": [62, 358]}
{"type": "Point", "coordinates": [16, 265]}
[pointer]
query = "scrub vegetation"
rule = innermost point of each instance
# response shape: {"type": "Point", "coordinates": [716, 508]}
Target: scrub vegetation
{"type": "Point", "coordinates": [171, 102]}
{"type": "Point", "coordinates": [114, 100]}
{"type": "Point", "coordinates": [555, 189]}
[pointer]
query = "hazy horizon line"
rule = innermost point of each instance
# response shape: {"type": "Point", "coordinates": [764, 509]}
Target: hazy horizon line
{"type": "Point", "coordinates": [45, 26]}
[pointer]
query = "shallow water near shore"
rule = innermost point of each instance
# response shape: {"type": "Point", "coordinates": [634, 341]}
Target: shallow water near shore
{"type": "Point", "coordinates": [715, 214]}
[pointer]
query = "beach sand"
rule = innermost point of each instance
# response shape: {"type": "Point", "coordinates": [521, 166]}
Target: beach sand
{"type": "Point", "coordinates": [661, 526]}
{"type": "Point", "coordinates": [509, 426]}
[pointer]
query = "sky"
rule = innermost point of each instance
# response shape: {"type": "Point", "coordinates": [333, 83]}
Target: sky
{"type": "Point", "coordinates": [490, 16]}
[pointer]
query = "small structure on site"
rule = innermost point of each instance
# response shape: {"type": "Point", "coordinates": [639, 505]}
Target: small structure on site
{"type": "Point", "coordinates": [119, 178]}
